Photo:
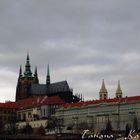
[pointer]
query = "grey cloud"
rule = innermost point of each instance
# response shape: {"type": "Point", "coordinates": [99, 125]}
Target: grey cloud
{"type": "Point", "coordinates": [84, 42]}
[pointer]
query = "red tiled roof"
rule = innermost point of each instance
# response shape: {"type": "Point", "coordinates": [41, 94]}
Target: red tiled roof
{"type": "Point", "coordinates": [54, 100]}
{"type": "Point", "coordinates": [33, 102]}
{"type": "Point", "coordinates": [40, 100]}
{"type": "Point", "coordinates": [29, 102]}
{"type": "Point", "coordinates": [86, 103]}
{"type": "Point", "coordinates": [10, 105]}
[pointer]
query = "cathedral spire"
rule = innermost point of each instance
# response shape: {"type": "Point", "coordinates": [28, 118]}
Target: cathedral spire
{"type": "Point", "coordinates": [20, 72]}
{"type": "Point", "coordinates": [27, 72]}
{"type": "Point", "coordinates": [119, 91]}
{"type": "Point", "coordinates": [103, 94]}
{"type": "Point", "coordinates": [48, 76]}
{"type": "Point", "coordinates": [36, 75]}
{"type": "Point", "coordinates": [28, 56]}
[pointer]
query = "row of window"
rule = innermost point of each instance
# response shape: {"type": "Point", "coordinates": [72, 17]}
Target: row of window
{"type": "Point", "coordinates": [6, 111]}
{"type": "Point", "coordinates": [7, 118]}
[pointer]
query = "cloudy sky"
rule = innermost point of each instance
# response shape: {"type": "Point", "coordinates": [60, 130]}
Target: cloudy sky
{"type": "Point", "coordinates": [84, 41]}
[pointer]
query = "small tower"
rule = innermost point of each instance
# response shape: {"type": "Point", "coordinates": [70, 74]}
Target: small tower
{"type": "Point", "coordinates": [103, 94]}
{"type": "Point", "coordinates": [20, 72]}
{"type": "Point", "coordinates": [18, 83]}
{"type": "Point", "coordinates": [48, 76]}
{"type": "Point", "coordinates": [119, 91]}
{"type": "Point", "coordinates": [36, 76]}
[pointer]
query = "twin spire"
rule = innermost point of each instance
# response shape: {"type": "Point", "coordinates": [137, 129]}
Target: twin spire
{"type": "Point", "coordinates": [119, 91]}
{"type": "Point", "coordinates": [103, 94]}
{"type": "Point", "coordinates": [28, 72]}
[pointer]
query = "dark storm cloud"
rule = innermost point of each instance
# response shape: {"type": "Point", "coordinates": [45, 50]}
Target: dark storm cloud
{"type": "Point", "coordinates": [83, 40]}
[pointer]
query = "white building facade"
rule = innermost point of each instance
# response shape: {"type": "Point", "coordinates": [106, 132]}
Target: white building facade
{"type": "Point", "coordinates": [36, 111]}
{"type": "Point", "coordinates": [97, 113]}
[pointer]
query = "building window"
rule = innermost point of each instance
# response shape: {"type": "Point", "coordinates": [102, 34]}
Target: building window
{"type": "Point", "coordinates": [24, 117]}
{"type": "Point", "coordinates": [41, 112]}
{"type": "Point", "coordinates": [44, 111]}
{"type": "Point", "coordinates": [9, 118]}
{"type": "Point", "coordinates": [29, 114]}
{"type": "Point", "coordinates": [19, 117]}
{"type": "Point", "coordinates": [104, 96]}
{"type": "Point", "coordinates": [5, 112]}
{"type": "Point", "coordinates": [5, 118]}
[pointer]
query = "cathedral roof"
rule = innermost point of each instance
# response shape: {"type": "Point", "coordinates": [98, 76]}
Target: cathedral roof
{"type": "Point", "coordinates": [38, 89]}
{"type": "Point", "coordinates": [43, 89]}
{"type": "Point", "coordinates": [58, 87]}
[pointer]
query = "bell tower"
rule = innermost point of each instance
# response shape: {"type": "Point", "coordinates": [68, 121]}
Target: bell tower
{"type": "Point", "coordinates": [119, 93]}
{"type": "Point", "coordinates": [103, 94]}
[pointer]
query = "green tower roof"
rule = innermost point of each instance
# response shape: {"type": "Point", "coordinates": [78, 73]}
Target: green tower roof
{"type": "Point", "coordinates": [28, 72]}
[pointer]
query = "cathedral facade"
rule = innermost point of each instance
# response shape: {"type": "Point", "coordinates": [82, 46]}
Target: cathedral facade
{"type": "Point", "coordinates": [28, 86]}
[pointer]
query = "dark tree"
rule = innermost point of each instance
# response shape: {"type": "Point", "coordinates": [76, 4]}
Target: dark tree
{"type": "Point", "coordinates": [135, 124]}
{"type": "Point", "coordinates": [70, 126]}
{"type": "Point", "coordinates": [83, 126]}
{"type": "Point", "coordinates": [11, 129]}
{"type": "Point", "coordinates": [127, 130]}
{"type": "Point", "coordinates": [27, 129]}
{"type": "Point", "coordinates": [108, 129]}
{"type": "Point", "coordinates": [41, 130]}
{"type": "Point", "coordinates": [52, 123]}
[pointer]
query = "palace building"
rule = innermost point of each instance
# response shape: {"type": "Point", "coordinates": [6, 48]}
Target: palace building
{"type": "Point", "coordinates": [36, 110]}
{"type": "Point", "coordinates": [33, 110]}
{"type": "Point", "coordinates": [8, 112]}
{"type": "Point", "coordinates": [119, 111]}
{"type": "Point", "coordinates": [97, 113]}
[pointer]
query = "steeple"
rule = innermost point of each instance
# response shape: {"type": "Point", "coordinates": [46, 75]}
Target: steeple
{"type": "Point", "coordinates": [20, 72]}
{"type": "Point", "coordinates": [48, 76]}
{"type": "Point", "coordinates": [27, 72]}
{"type": "Point", "coordinates": [103, 94]}
{"type": "Point", "coordinates": [36, 75]}
{"type": "Point", "coordinates": [119, 91]}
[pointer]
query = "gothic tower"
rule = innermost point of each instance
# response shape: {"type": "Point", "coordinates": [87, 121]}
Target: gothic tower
{"type": "Point", "coordinates": [119, 93]}
{"type": "Point", "coordinates": [103, 94]}
{"type": "Point", "coordinates": [25, 81]}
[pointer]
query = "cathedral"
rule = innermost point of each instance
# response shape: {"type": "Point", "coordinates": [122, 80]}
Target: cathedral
{"type": "Point", "coordinates": [28, 86]}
